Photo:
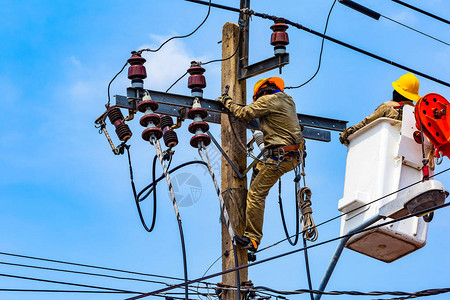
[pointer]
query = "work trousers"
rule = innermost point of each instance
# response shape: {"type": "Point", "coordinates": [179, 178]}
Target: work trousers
{"type": "Point", "coordinates": [267, 175]}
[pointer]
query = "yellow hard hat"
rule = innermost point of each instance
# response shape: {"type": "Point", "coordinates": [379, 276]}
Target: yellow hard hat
{"type": "Point", "coordinates": [275, 80]}
{"type": "Point", "coordinates": [407, 86]}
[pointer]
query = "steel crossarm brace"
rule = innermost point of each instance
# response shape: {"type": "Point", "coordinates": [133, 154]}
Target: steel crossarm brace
{"type": "Point", "coordinates": [172, 105]}
{"type": "Point", "coordinates": [274, 62]}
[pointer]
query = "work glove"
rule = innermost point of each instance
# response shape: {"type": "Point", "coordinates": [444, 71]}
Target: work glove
{"type": "Point", "coordinates": [345, 134]}
{"type": "Point", "coordinates": [224, 99]}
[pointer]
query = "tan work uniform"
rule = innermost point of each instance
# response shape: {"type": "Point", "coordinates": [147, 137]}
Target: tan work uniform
{"type": "Point", "coordinates": [389, 109]}
{"type": "Point", "coordinates": [279, 124]}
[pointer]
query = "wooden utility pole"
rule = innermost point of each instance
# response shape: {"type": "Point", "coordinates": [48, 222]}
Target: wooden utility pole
{"type": "Point", "coordinates": [234, 189]}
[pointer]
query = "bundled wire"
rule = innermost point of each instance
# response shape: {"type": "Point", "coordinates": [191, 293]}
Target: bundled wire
{"type": "Point", "coordinates": [157, 146]}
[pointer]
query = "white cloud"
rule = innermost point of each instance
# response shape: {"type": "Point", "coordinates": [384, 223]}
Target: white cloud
{"type": "Point", "coordinates": [168, 64]}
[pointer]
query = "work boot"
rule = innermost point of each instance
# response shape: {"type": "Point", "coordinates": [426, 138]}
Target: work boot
{"type": "Point", "coordinates": [246, 243]}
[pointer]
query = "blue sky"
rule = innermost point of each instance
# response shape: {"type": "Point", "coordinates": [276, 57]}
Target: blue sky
{"type": "Point", "coordinates": [65, 196]}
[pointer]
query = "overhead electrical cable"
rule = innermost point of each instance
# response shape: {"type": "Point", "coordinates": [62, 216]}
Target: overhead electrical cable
{"type": "Point", "coordinates": [88, 266]}
{"type": "Point", "coordinates": [429, 292]}
{"type": "Point", "coordinates": [180, 36]}
{"type": "Point", "coordinates": [69, 283]}
{"type": "Point", "coordinates": [79, 272]}
{"type": "Point", "coordinates": [376, 16]}
{"type": "Point", "coordinates": [211, 61]}
{"type": "Point", "coordinates": [357, 208]}
{"type": "Point", "coordinates": [320, 55]}
{"type": "Point", "coordinates": [334, 40]}
{"type": "Point", "coordinates": [419, 213]}
{"type": "Point", "coordinates": [422, 11]}
{"type": "Point", "coordinates": [159, 48]}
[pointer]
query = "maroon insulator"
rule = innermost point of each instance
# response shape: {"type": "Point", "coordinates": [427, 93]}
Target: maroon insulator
{"type": "Point", "coordinates": [147, 133]}
{"type": "Point", "coordinates": [196, 80]}
{"type": "Point", "coordinates": [115, 116]}
{"type": "Point", "coordinates": [203, 113]}
{"type": "Point", "coordinates": [203, 126]}
{"type": "Point", "coordinates": [144, 105]}
{"type": "Point", "coordinates": [197, 139]}
{"type": "Point", "coordinates": [149, 118]}
{"type": "Point", "coordinates": [137, 68]}
{"type": "Point", "coordinates": [169, 136]}
{"type": "Point", "coordinates": [279, 36]}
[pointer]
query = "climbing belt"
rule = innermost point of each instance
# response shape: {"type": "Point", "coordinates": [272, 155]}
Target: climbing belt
{"type": "Point", "coordinates": [219, 194]}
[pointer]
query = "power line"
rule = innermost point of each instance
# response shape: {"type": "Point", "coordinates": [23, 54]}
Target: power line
{"type": "Point", "coordinates": [69, 283]}
{"type": "Point", "coordinates": [415, 30]}
{"type": "Point", "coordinates": [180, 36]}
{"type": "Point", "coordinates": [88, 266]}
{"type": "Point", "coordinates": [429, 292]}
{"type": "Point", "coordinates": [422, 11]}
{"type": "Point", "coordinates": [291, 252]}
{"type": "Point", "coordinates": [375, 15]}
{"type": "Point", "coordinates": [357, 208]}
{"type": "Point", "coordinates": [320, 55]}
{"type": "Point", "coordinates": [334, 40]}
{"type": "Point", "coordinates": [79, 272]}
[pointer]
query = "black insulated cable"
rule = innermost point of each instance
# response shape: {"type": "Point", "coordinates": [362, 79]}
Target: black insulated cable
{"type": "Point", "coordinates": [320, 55]}
{"type": "Point", "coordinates": [376, 16]}
{"type": "Point", "coordinates": [180, 36]}
{"type": "Point", "coordinates": [422, 11]}
{"type": "Point", "coordinates": [362, 9]}
{"type": "Point", "coordinates": [339, 42]}
{"type": "Point", "coordinates": [357, 208]}
{"type": "Point", "coordinates": [283, 220]}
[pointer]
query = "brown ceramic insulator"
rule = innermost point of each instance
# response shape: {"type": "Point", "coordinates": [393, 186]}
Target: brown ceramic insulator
{"type": "Point", "coordinates": [196, 125]}
{"type": "Point", "coordinates": [170, 138]}
{"type": "Point", "coordinates": [196, 139]}
{"type": "Point", "coordinates": [147, 133]}
{"type": "Point", "coordinates": [166, 123]}
{"type": "Point", "coordinates": [279, 36]}
{"type": "Point", "coordinates": [115, 116]}
{"type": "Point", "coordinates": [196, 80]}
{"type": "Point", "coordinates": [197, 111]}
{"type": "Point", "coordinates": [123, 132]}
{"type": "Point", "coordinates": [149, 118]}
{"type": "Point", "coordinates": [144, 105]}
{"type": "Point", "coordinates": [137, 68]}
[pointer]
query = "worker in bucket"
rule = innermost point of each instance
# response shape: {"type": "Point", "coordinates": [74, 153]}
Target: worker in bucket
{"type": "Point", "coordinates": [406, 90]}
{"type": "Point", "coordinates": [283, 139]}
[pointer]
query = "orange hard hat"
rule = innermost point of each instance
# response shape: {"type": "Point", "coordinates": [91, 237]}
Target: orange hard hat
{"type": "Point", "coordinates": [275, 80]}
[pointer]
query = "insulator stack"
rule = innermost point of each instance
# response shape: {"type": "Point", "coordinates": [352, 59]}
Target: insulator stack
{"type": "Point", "coordinates": [198, 127]}
{"type": "Point", "coordinates": [149, 119]}
{"type": "Point", "coordinates": [279, 38]}
{"type": "Point", "coordinates": [196, 80]}
{"type": "Point", "coordinates": [116, 117]}
{"type": "Point", "coordinates": [169, 135]}
{"type": "Point", "coordinates": [136, 71]}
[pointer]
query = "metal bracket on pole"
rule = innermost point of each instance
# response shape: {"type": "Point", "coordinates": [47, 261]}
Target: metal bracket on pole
{"type": "Point", "coordinates": [315, 128]}
{"type": "Point", "coordinates": [245, 70]}
{"type": "Point", "coordinates": [233, 166]}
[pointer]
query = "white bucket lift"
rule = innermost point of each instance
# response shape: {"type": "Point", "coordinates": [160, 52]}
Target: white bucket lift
{"type": "Point", "coordinates": [382, 159]}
